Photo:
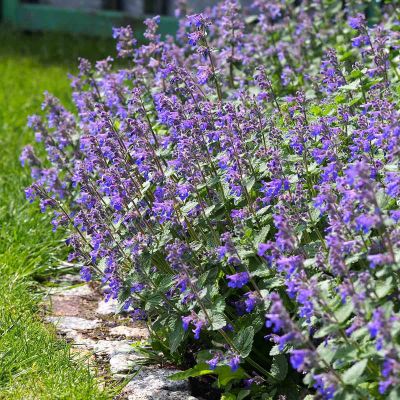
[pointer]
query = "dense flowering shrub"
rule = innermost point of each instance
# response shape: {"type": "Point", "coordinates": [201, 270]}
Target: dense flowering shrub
{"type": "Point", "coordinates": [237, 188]}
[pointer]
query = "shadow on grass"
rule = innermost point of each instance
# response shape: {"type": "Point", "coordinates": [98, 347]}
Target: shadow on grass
{"type": "Point", "coordinates": [53, 48]}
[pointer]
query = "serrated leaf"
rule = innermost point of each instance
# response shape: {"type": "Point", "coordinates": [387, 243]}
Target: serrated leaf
{"type": "Point", "coordinates": [243, 394]}
{"type": "Point", "coordinates": [352, 375]}
{"type": "Point", "coordinates": [218, 321]}
{"type": "Point", "coordinates": [209, 210]}
{"type": "Point", "coordinates": [250, 183]}
{"type": "Point", "coordinates": [263, 210]}
{"type": "Point", "coordinates": [351, 86]}
{"type": "Point", "coordinates": [189, 207]}
{"type": "Point", "coordinates": [384, 288]}
{"type": "Point", "coordinates": [198, 370]}
{"type": "Point", "coordinates": [176, 336]}
{"type": "Point", "coordinates": [326, 352]}
{"type": "Point", "coordinates": [344, 311]}
{"type": "Point", "coordinates": [225, 375]}
{"type": "Point", "coordinates": [262, 235]}
{"type": "Point", "coordinates": [243, 341]}
{"type": "Point", "coordinates": [255, 320]}
{"type": "Point", "coordinates": [279, 367]}
{"type": "Point", "coordinates": [153, 302]}
{"type": "Point", "coordinates": [325, 330]}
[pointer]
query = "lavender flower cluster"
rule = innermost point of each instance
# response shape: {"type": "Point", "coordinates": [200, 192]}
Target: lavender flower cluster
{"type": "Point", "coordinates": [237, 188]}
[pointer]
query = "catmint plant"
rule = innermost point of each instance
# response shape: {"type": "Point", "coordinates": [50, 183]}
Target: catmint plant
{"type": "Point", "coordinates": [236, 188]}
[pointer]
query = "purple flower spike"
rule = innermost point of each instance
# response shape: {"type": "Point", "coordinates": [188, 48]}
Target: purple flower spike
{"type": "Point", "coordinates": [234, 363]}
{"type": "Point", "coordinates": [238, 280]}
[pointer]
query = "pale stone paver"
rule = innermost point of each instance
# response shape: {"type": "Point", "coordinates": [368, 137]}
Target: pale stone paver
{"type": "Point", "coordinates": [73, 323]}
{"type": "Point", "coordinates": [82, 316]}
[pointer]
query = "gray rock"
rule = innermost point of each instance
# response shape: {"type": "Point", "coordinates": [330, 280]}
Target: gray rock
{"type": "Point", "coordinates": [111, 347]}
{"type": "Point", "coordinates": [81, 290]}
{"type": "Point", "coordinates": [163, 395]}
{"type": "Point", "coordinates": [122, 363]}
{"type": "Point", "coordinates": [152, 383]}
{"type": "Point", "coordinates": [79, 340]}
{"type": "Point", "coordinates": [65, 324]}
{"type": "Point", "coordinates": [109, 307]}
{"type": "Point", "coordinates": [129, 332]}
{"type": "Point", "coordinates": [70, 279]}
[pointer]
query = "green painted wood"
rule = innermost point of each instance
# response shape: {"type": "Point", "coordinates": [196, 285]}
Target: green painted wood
{"type": "Point", "coordinates": [9, 10]}
{"type": "Point", "coordinates": [40, 17]}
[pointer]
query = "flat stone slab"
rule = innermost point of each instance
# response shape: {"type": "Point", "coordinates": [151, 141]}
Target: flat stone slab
{"type": "Point", "coordinates": [122, 363]}
{"type": "Point", "coordinates": [80, 340]}
{"type": "Point", "coordinates": [152, 383]}
{"type": "Point", "coordinates": [129, 332]}
{"type": "Point", "coordinates": [72, 306]}
{"type": "Point", "coordinates": [162, 395]}
{"type": "Point", "coordinates": [70, 279]}
{"type": "Point", "coordinates": [73, 323]}
{"type": "Point", "coordinates": [109, 307]}
{"type": "Point", "coordinates": [81, 290]}
{"type": "Point", "coordinates": [111, 347]}
{"type": "Point", "coordinates": [94, 326]}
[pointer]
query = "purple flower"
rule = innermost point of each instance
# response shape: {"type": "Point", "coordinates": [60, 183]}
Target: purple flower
{"type": "Point", "coordinates": [365, 223]}
{"type": "Point", "coordinates": [198, 20]}
{"type": "Point", "coordinates": [86, 273]}
{"type": "Point", "coordinates": [274, 188]}
{"type": "Point", "coordinates": [186, 321]}
{"type": "Point", "coordinates": [357, 22]}
{"type": "Point", "coordinates": [126, 41]}
{"type": "Point", "coordinates": [238, 280]}
{"type": "Point", "coordinates": [213, 362]}
{"type": "Point", "coordinates": [198, 325]}
{"type": "Point", "coordinates": [390, 371]}
{"type": "Point", "coordinates": [301, 359]}
{"type": "Point", "coordinates": [251, 301]}
{"type": "Point", "coordinates": [325, 385]}
{"type": "Point", "coordinates": [234, 363]}
{"type": "Point", "coordinates": [204, 73]}
{"type": "Point", "coordinates": [379, 259]}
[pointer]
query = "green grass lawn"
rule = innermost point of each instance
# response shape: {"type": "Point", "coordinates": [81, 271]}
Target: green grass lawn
{"type": "Point", "coordinates": [33, 363]}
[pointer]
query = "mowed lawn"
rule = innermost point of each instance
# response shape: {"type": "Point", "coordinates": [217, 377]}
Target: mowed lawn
{"type": "Point", "coordinates": [34, 364]}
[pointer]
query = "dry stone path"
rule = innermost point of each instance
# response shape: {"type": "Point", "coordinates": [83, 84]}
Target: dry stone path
{"type": "Point", "coordinates": [96, 328]}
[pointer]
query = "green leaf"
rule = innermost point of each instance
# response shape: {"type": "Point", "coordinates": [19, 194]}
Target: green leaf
{"type": "Point", "coordinates": [243, 394]}
{"type": "Point", "coordinates": [250, 183]}
{"type": "Point", "coordinates": [189, 206]}
{"type": "Point", "coordinates": [384, 288]}
{"type": "Point", "coordinates": [228, 396]}
{"type": "Point", "coordinates": [274, 282]}
{"type": "Point", "coordinates": [351, 86]}
{"type": "Point", "coordinates": [262, 235]}
{"type": "Point", "coordinates": [255, 320]}
{"type": "Point", "coordinates": [176, 336]}
{"type": "Point", "coordinates": [153, 302]}
{"type": "Point", "coordinates": [327, 351]}
{"type": "Point", "coordinates": [325, 330]}
{"type": "Point", "coordinates": [344, 312]}
{"type": "Point", "coordinates": [279, 367]}
{"type": "Point", "coordinates": [225, 375]}
{"type": "Point", "coordinates": [198, 370]}
{"type": "Point", "coordinates": [345, 56]}
{"type": "Point", "coordinates": [218, 321]}
{"type": "Point", "coordinates": [209, 210]}
{"type": "Point", "coordinates": [243, 341]}
{"type": "Point", "coordinates": [352, 375]}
